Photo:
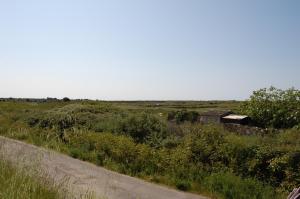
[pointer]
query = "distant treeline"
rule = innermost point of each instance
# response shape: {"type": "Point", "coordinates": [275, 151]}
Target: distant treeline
{"type": "Point", "coordinates": [48, 99]}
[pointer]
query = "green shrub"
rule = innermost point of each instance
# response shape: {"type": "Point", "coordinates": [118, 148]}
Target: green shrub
{"type": "Point", "coordinates": [183, 185]}
{"type": "Point", "coordinates": [142, 126]}
{"type": "Point", "coordinates": [205, 143]}
{"type": "Point", "coordinates": [183, 116]}
{"type": "Point", "coordinates": [229, 186]}
{"type": "Point", "coordinates": [66, 99]}
{"type": "Point", "coordinates": [274, 107]}
{"type": "Point", "coordinates": [75, 153]}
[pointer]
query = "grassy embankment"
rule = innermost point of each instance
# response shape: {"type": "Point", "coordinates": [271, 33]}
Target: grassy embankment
{"type": "Point", "coordinates": [16, 183]}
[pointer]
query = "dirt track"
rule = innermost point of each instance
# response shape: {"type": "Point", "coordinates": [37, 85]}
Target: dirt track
{"type": "Point", "coordinates": [83, 176]}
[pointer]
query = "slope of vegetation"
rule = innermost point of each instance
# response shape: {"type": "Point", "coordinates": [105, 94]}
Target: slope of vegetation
{"type": "Point", "coordinates": [136, 138]}
{"type": "Point", "coordinates": [16, 184]}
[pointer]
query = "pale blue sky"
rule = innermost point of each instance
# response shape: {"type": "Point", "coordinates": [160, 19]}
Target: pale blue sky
{"type": "Point", "coordinates": [148, 49]}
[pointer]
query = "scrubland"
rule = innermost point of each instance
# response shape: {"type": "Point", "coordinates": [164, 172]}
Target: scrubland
{"type": "Point", "coordinates": [137, 139]}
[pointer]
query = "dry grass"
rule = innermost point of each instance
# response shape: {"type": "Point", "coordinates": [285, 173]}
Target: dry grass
{"type": "Point", "coordinates": [17, 182]}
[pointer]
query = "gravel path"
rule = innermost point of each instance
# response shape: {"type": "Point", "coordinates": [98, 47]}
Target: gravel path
{"type": "Point", "coordinates": [84, 177]}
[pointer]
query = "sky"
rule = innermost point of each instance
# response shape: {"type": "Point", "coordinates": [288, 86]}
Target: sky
{"type": "Point", "coordinates": [148, 49]}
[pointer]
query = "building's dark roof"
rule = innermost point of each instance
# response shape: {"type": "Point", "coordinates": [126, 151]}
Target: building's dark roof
{"type": "Point", "coordinates": [218, 113]}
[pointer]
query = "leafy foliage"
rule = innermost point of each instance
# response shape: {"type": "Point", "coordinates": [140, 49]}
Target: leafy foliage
{"type": "Point", "coordinates": [274, 107]}
{"type": "Point", "coordinates": [183, 116]}
{"type": "Point", "coordinates": [143, 127]}
{"type": "Point", "coordinates": [229, 186]}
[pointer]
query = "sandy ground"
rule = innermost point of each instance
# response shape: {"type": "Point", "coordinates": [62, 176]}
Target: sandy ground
{"type": "Point", "coordinates": [83, 177]}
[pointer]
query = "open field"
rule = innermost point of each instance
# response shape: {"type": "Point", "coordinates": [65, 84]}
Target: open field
{"type": "Point", "coordinates": [136, 139]}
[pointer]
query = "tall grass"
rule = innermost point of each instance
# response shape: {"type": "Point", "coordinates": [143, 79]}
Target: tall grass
{"type": "Point", "coordinates": [15, 183]}
{"type": "Point", "coordinates": [19, 182]}
{"type": "Point", "coordinates": [229, 186]}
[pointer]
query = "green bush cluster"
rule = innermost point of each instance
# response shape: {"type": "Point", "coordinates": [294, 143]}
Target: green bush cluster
{"type": "Point", "coordinates": [143, 127]}
{"type": "Point", "coordinates": [274, 107]}
{"type": "Point", "coordinates": [183, 116]}
{"type": "Point", "coordinates": [68, 116]}
{"type": "Point", "coordinates": [262, 158]}
{"type": "Point", "coordinates": [129, 156]}
{"type": "Point", "coordinates": [227, 185]}
{"type": "Point", "coordinates": [197, 159]}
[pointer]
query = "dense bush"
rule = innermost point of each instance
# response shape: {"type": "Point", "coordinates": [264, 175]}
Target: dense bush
{"type": "Point", "coordinates": [229, 186]}
{"type": "Point", "coordinates": [144, 127]}
{"type": "Point", "coordinates": [130, 157]}
{"type": "Point", "coordinates": [66, 99]}
{"type": "Point", "coordinates": [200, 159]}
{"type": "Point", "coordinates": [66, 117]}
{"type": "Point", "coordinates": [183, 116]}
{"type": "Point", "coordinates": [262, 158]}
{"type": "Point", "coordinates": [274, 107]}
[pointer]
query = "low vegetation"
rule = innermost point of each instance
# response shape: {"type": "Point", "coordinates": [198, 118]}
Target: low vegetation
{"type": "Point", "coordinates": [162, 143]}
{"type": "Point", "coordinates": [15, 183]}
